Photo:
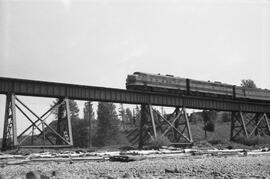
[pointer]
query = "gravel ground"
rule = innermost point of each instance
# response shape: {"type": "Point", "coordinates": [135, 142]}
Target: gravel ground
{"type": "Point", "coordinates": [177, 167]}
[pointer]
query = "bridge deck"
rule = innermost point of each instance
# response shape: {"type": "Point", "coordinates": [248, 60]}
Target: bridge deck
{"type": "Point", "coordinates": [92, 93]}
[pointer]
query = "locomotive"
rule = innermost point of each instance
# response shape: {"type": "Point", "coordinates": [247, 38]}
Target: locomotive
{"type": "Point", "coordinates": [171, 84]}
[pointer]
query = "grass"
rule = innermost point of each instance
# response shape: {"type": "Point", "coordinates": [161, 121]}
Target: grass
{"type": "Point", "coordinates": [159, 141]}
{"type": "Point", "coordinates": [222, 132]}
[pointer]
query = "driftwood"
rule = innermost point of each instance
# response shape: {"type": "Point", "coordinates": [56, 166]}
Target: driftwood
{"type": "Point", "coordinates": [17, 162]}
{"type": "Point", "coordinates": [59, 159]}
{"type": "Point", "coordinates": [125, 158]}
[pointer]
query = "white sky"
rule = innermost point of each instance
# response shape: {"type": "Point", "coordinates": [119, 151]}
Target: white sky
{"type": "Point", "coordinates": [99, 42]}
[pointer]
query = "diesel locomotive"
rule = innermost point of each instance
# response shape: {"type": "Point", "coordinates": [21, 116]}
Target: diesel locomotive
{"type": "Point", "coordinates": [171, 84]}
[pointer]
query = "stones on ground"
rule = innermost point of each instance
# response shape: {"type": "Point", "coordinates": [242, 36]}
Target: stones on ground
{"type": "Point", "coordinates": [172, 171]}
{"type": "Point", "coordinates": [35, 175]}
{"type": "Point", "coordinates": [127, 175]}
{"type": "Point", "coordinates": [231, 167]}
{"type": "Point", "coordinates": [54, 173]}
{"type": "Point", "coordinates": [111, 177]}
{"type": "Point", "coordinates": [230, 147]}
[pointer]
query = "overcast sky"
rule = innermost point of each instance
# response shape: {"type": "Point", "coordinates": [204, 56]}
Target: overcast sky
{"type": "Point", "coordinates": [99, 42]}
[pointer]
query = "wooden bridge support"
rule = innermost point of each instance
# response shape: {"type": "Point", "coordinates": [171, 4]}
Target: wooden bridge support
{"type": "Point", "coordinates": [63, 135]}
{"type": "Point", "coordinates": [249, 124]}
{"type": "Point", "coordinates": [174, 126]}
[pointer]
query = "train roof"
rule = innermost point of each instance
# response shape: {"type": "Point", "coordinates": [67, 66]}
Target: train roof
{"type": "Point", "coordinates": [214, 82]}
{"type": "Point", "coordinates": [152, 74]}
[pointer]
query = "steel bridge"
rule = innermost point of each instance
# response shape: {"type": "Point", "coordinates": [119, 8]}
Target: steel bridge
{"type": "Point", "coordinates": [12, 88]}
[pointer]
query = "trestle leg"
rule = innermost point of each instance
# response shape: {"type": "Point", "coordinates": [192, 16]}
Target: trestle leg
{"type": "Point", "coordinates": [248, 124]}
{"type": "Point", "coordinates": [10, 138]}
{"type": "Point", "coordinates": [175, 126]}
{"type": "Point", "coordinates": [10, 124]}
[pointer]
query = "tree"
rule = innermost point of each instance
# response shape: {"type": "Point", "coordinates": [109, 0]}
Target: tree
{"type": "Point", "coordinates": [209, 124]}
{"type": "Point", "coordinates": [137, 115]}
{"type": "Point", "coordinates": [73, 107]}
{"type": "Point", "coordinates": [108, 125]}
{"type": "Point", "coordinates": [248, 83]}
{"type": "Point", "coordinates": [88, 118]}
{"type": "Point", "coordinates": [78, 125]}
{"type": "Point", "coordinates": [123, 116]}
{"type": "Point", "coordinates": [129, 116]}
{"type": "Point", "coordinates": [88, 112]}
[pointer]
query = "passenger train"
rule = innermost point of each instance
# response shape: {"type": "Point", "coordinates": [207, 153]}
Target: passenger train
{"type": "Point", "coordinates": [169, 83]}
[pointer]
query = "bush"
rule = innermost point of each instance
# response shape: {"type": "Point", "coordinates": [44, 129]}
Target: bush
{"type": "Point", "coordinates": [215, 141]}
{"type": "Point", "coordinates": [209, 126]}
{"type": "Point", "coordinates": [159, 142]}
{"type": "Point", "coordinates": [256, 140]}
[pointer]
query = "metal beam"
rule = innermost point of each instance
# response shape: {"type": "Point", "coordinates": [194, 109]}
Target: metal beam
{"type": "Point", "coordinates": [69, 121]}
{"type": "Point", "coordinates": [152, 120]}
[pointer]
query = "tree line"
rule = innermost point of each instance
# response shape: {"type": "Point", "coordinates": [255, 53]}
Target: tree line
{"type": "Point", "coordinates": [105, 129]}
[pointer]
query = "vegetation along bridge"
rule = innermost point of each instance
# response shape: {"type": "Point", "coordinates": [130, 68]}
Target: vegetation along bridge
{"type": "Point", "coordinates": [151, 121]}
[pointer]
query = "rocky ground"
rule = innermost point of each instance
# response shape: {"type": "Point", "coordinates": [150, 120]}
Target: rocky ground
{"type": "Point", "coordinates": [168, 167]}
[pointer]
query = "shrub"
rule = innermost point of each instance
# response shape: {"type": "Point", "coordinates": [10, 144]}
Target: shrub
{"type": "Point", "coordinates": [159, 141]}
{"type": "Point", "coordinates": [256, 140]}
{"type": "Point", "coordinates": [215, 141]}
{"type": "Point", "coordinates": [209, 126]}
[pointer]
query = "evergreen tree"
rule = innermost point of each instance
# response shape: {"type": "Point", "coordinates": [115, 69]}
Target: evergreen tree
{"type": "Point", "coordinates": [108, 125]}
{"type": "Point", "coordinates": [137, 115]}
{"type": "Point", "coordinates": [88, 110]}
{"type": "Point", "coordinates": [77, 124]}
{"type": "Point", "coordinates": [123, 116]}
{"type": "Point", "coordinates": [129, 116]}
{"type": "Point", "coordinates": [88, 118]}
{"type": "Point", "coordinates": [73, 107]}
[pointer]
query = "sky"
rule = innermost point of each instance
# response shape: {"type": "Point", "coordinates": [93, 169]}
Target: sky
{"type": "Point", "coordinates": [100, 42]}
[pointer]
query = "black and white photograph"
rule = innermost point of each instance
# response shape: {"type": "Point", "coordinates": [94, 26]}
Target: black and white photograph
{"type": "Point", "coordinates": [136, 89]}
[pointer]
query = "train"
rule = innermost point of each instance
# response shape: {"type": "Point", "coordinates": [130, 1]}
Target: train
{"type": "Point", "coordinates": [171, 84]}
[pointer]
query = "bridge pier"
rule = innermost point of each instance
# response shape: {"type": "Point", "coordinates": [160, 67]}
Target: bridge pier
{"type": "Point", "coordinates": [249, 124]}
{"type": "Point", "coordinates": [47, 134]}
{"type": "Point", "coordinates": [174, 126]}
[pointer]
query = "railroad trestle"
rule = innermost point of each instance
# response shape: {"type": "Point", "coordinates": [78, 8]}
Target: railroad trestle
{"type": "Point", "coordinates": [248, 117]}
